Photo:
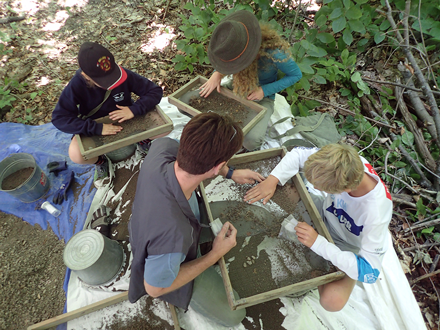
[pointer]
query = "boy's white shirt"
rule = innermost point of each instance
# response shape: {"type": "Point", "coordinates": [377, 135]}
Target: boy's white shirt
{"type": "Point", "coordinates": [358, 225]}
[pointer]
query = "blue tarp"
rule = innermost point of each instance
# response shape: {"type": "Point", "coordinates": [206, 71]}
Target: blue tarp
{"type": "Point", "coordinates": [46, 144]}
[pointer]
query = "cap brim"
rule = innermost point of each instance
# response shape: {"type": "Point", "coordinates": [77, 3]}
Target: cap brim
{"type": "Point", "coordinates": [246, 59]}
{"type": "Point", "coordinates": [112, 80]}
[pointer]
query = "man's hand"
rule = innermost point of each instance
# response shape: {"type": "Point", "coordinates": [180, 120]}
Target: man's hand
{"type": "Point", "coordinates": [225, 240]}
{"type": "Point", "coordinates": [256, 95]}
{"type": "Point", "coordinates": [123, 114]}
{"type": "Point", "coordinates": [263, 190]}
{"type": "Point", "coordinates": [212, 83]}
{"type": "Point", "coordinates": [110, 129]}
{"type": "Point", "coordinates": [246, 176]}
{"type": "Point", "coordinates": [306, 234]}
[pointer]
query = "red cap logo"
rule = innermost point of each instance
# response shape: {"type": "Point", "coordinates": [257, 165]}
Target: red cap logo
{"type": "Point", "coordinates": [104, 63]}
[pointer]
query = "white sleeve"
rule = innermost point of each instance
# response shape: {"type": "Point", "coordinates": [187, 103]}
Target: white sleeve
{"type": "Point", "coordinates": [291, 163]}
{"type": "Point", "coordinates": [365, 266]}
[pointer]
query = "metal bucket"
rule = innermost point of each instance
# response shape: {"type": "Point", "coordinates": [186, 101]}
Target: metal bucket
{"type": "Point", "coordinates": [94, 258]}
{"type": "Point", "coordinates": [34, 187]}
{"type": "Point", "coordinates": [121, 153]}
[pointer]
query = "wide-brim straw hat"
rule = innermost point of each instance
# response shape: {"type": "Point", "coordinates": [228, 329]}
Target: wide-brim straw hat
{"type": "Point", "coordinates": [235, 42]}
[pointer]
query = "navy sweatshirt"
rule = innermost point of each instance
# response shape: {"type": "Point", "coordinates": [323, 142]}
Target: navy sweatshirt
{"type": "Point", "coordinates": [65, 114]}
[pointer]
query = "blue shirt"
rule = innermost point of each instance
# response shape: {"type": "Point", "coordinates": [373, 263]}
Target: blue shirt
{"type": "Point", "coordinates": [161, 270]}
{"type": "Point", "coordinates": [268, 72]}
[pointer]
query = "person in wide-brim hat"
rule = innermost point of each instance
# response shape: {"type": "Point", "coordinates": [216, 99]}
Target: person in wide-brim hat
{"type": "Point", "coordinates": [235, 43]}
{"type": "Point", "coordinates": [253, 53]}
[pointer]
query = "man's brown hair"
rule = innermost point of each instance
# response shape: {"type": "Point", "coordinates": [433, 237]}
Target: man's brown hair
{"type": "Point", "coordinates": [207, 140]}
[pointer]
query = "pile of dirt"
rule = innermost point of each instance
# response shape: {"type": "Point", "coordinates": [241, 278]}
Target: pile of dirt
{"type": "Point", "coordinates": [32, 273]}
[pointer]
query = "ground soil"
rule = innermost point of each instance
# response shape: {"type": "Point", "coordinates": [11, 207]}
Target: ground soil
{"type": "Point", "coordinates": [31, 273]}
{"type": "Point", "coordinates": [15, 179]}
{"type": "Point", "coordinates": [222, 105]}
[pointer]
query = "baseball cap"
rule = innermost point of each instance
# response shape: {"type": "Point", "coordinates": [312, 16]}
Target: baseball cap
{"type": "Point", "coordinates": [99, 64]}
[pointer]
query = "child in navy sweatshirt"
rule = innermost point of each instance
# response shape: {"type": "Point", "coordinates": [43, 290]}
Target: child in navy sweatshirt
{"type": "Point", "coordinates": [100, 88]}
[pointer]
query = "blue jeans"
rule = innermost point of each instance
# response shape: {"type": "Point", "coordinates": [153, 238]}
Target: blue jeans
{"type": "Point", "coordinates": [209, 299]}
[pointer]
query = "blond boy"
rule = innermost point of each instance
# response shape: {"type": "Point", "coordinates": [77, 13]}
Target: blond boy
{"type": "Point", "coordinates": [356, 208]}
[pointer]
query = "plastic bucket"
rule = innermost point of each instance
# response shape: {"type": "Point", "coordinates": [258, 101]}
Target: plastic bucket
{"type": "Point", "coordinates": [121, 153]}
{"type": "Point", "coordinates": [94, 258]}
{"type": "Point", "coordinates": [34, 187]}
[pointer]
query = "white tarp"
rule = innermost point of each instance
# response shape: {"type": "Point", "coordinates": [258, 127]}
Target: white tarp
{"type": "Point", "coordinates": [387, 304]}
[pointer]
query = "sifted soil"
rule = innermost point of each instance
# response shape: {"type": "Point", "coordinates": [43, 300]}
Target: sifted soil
{"type": "Point", "coordinates": [222, 105]}
{"type": "Point", "coordinates": [14, 180]}
{"type": "Point", "coordinates": [136, 125]}
{"type": "Point", "coordinates": [145, 321]}
{"type": "Point", "coordinates": [252, 272]}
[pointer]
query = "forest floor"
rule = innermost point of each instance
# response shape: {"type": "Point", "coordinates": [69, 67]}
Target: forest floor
{"type": "Point", "coordinates": [43, 49]}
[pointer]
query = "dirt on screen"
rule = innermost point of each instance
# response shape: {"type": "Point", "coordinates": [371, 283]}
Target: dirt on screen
{"type": "Point", "coordinates": [136, 125]}
{"type": "Point", "coordinates": [222, 105]}
{"type": "Point", "coordinates": [261, 261]}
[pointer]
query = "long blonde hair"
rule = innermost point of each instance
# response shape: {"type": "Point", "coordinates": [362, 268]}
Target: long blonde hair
{"type": "Point", "coordinates": [246, 81]}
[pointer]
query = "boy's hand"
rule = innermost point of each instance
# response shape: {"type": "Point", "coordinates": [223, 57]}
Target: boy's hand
{"type": "Point", "coordinates": [123, 114]}
{"type": "Point", "coordinates": [110, 129]}
{"type": "Point", "coordinates": [306, 234]}
{"type": "Point", "coordinates": [246, 176]}
{"type": "Point", "coordinates": [225, 240]}
{"type": "Point", "coordinates": [256, 95]}
{"type": "Point", "coordinates": [264, 190]}
{"type": "Point", "coordinates": [212, 83]}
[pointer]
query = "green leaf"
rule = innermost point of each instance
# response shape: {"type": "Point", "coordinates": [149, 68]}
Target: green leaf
{"type": "Point", "coordinates": [305, 44]}
{"type": "Point", "coordinates": [199, 33]}
{"type": "Point", "coordinates": [303, 111]}
{"type": "Point", "coordinates": [362, 42]}
{"type": "Point", "coordinates": [316, 51]}
{"type": "Point", "coordinates": [347, 3]}
{"type": "Point", "coordinates": [305, 84]}
{"type": "Point", "coordinates": [321, 20]}
{"type": "Point", "coordinates": [385, 25]}
{"type": "Point", "coordinates": [379, 37]}
{"type": "Point", "coordinates": [180, 66]}
{"type": "Point", "coordinates": [421, 209]}
{"type": "Point", "coordinates": [436, 237]}
{"type": "Point", "coordinates": [339, 24]}
{"type": "Point", "coordinates": [178, 58]}
{"type": "Point", "coordinates": [33, 95]}
{"type": "Point", "coordinates": [344, 56]}
{"type": "Point", "coordinates": [325, 37]}
{"type": "Point", "coordinates": [356, 77]}
{"type": "Point", "coordinates": [347, 37]}
{"type": "Point", "coordinates": [305, 68]}
{"type": "Point", "coordinates": [335, 14]}
{"type": "Point", "coordinates": [345, 92]}
{"type": "Point", "coordinates": [399, 164]}
{"type": "Point", "coordinates": [428, 230]}
{"type": "Point", "coordinates": [312, 104]}
{"type": "Point", "coordinates": [357, 26]}
{"type": "Point", "coordinates": [319, 79]}
{"type": "Point", "coordinates": [408, 138]}
{"type": "Point", "coordinates": [353, 13]}
{"type": "Point", "coordinates": [360, 2]}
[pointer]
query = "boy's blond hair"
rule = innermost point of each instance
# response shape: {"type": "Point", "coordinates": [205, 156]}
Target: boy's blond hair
{"type": "Point", "coordinates": [334, 168]}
